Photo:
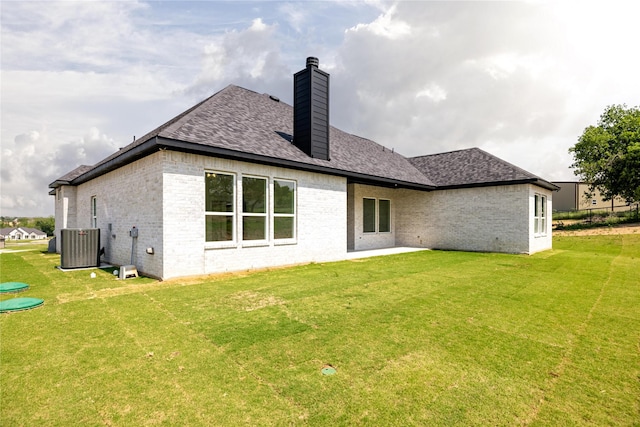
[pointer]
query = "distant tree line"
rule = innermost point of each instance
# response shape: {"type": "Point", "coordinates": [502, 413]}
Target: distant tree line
{"type": "Point", "coordinates": [46, 224]}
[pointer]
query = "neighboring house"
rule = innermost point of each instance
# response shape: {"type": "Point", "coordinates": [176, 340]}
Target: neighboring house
{"type": "Point", "coordinates": [242, 180]}
{"type": "Point", "coordinates": [22, 233]}
{"type": "Point", "coordinates": [572, 197]}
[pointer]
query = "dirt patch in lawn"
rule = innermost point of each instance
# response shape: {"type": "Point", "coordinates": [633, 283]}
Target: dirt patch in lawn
{"type": "Point", "coordinates": [633, 228]}
{"type": "Point", "coordinates": [250, 301]}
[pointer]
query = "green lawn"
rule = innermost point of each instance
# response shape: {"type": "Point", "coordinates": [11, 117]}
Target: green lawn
{"type": "Point", "coordinates": [428, 338]}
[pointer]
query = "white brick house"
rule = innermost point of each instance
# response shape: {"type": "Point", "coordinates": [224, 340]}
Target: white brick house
{"type": "Point", "coordinates": [244, 181]}
{"type": "Point", "coordinates": [22, 233]}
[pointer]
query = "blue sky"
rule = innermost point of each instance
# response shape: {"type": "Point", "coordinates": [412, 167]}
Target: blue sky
{"type": "Point", "coordinates": [520, 80]}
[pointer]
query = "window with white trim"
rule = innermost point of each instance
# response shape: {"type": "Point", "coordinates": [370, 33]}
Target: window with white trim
{"type": "Point", "coordinates": [284, 209]}
{"type": "Point", "coordinates": [384, 216]}
{"type": "Point", "coordinates": [540, 215]}
{"type": "Point", "coordinates": [94, 212]}
{"type": "Point", "coordinates": [376, 215]}
{"type": "Point", "coordinates": [254, 208]}
{"type": "Point", "coordinates": [219, 207]}
{"type": "Point", "coordinates": [368, 215]}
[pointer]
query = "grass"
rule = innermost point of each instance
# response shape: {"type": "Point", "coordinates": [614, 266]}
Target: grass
{"type": "Point", "coordinates": [427, 338]}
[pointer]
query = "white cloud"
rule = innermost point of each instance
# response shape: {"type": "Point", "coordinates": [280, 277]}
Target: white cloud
{"type": "Point", "coordinates": [295, 15]}
{"type": "Point", "coordinates": [434, 92]}
{"type": "Point", "coordinates": [503, 76]}
{"type": "Point", "coordinates": [386, 25]}
{"type": "Point", "coordinates": [246, 57]}
{"type": "Point", "coordinates": [30, 162]}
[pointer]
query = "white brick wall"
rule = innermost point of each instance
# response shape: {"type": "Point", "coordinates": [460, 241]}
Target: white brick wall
{"type": "Point", "coordinates": [163, 195]}
{"type": "Point", "coordinates": [320, 216]}
{"type": "Point", "coordinates": [542, 242]}
{"type": "Point", "coordinates": [65, 210]}
{"type": "Point", "coordinates": [494, 219]}
{"type": "Point", "coordinates": [129, 196]}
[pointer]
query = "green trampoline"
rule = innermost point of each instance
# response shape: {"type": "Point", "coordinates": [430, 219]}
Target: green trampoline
{"type": "Point", "coordinates": [18, 304]}
{"type": "Point", "coordinates": [9, 287]}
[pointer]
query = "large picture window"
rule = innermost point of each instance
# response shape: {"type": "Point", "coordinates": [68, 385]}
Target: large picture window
{"type": "Point", "coordinates": [284, 209]}
{"type": "Point", "coordinates": [249, 209]}
{"type": "Point", "coordinates": [254, 208]}
{"type": "Point", "coordinates": [220, 206]}
{"type": "Point", "coordinates": [540, 215]}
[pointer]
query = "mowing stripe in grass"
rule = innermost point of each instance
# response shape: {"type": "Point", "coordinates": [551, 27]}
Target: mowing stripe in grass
{"type": "Point", "coordinates": [429, 338]}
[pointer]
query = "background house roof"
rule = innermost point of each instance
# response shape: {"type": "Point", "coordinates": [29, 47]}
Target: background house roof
{"type": "Point", "coordinates": [473, 167]}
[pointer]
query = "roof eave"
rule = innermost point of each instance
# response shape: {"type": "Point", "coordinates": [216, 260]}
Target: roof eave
{"type": "Point", "coordinates": [188, 147]}
{"type": "Point", "coordinates": [158, 143]}
{"type": "Point", "coordinates": [535, 181]}
{"type": "Point", "coordinates": [57, 183]}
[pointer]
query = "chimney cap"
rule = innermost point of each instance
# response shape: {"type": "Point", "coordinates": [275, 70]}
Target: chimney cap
{"type": "Point", "coordinates": [312, 61]}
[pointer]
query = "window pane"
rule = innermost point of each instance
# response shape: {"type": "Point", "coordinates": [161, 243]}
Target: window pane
{"type": "Point", "coordinates": [219, 228]}
{"type": "Point", "coordinates": [254, 195]}
{"type": "Point", "coordinates": [536, 206]}
{"type": "Point", "coordinates": [219, 192]}
{"type": "Point", "coordinates": [283, 227]}
{"type": "Point", "coordinates": [253, 228]}
{"type": "Point", "coordinates": [384, 220]}
{"type": "Point", "coordinates": [369, 215]}
{"type": "Point", "coordinates": [283, 196]}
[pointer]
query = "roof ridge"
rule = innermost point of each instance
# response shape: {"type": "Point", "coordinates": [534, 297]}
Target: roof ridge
{"type": "Point", "coordinates": [445, 152]}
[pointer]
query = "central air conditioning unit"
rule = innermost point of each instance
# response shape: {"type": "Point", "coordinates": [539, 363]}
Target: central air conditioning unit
{"type": "Point", "coordinates": [80, 247]}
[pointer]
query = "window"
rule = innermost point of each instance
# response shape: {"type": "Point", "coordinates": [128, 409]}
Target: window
{"type": "Point", "coordinates": [376, 220]}
{"type": "Point", "coordinates": [384, 216]}
{"type": "Point", "coordinates": [219, 207]}
{"type": "Point", "coordinates": [224, 215]}
{"type": "Point", "coordinates": [254, 208]}
{"type": "Point", "coordinates": [284, 205]}
{"type": "Point", "coordinates": [540, 215]}
{"type": "Point", "coordinates": [94, 212]}
{"type": "Point", "coordinates": [369, 215]}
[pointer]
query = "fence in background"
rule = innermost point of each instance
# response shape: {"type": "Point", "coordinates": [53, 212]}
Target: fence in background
{"type": "Point", "coordinates": [629, 211]}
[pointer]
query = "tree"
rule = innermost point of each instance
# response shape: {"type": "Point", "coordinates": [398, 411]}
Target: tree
{"type": "Point", "coordinates": [607, 156]}
{"type": "Point", "coordinates": [47, 225]}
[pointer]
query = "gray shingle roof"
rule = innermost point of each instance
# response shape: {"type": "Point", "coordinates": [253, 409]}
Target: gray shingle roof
{"type": "Point", "coordinates": [242, 124]}
{"type": "Point", "coordinates": [241, 121]}
{"type": "Point", "coordinates": [70, 176]}
{"type": "Point", "coordinates": [472, 167]}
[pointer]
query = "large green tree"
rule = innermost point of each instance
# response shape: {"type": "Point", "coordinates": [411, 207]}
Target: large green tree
{"type": "Point", "coordinates": [608, 155]}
